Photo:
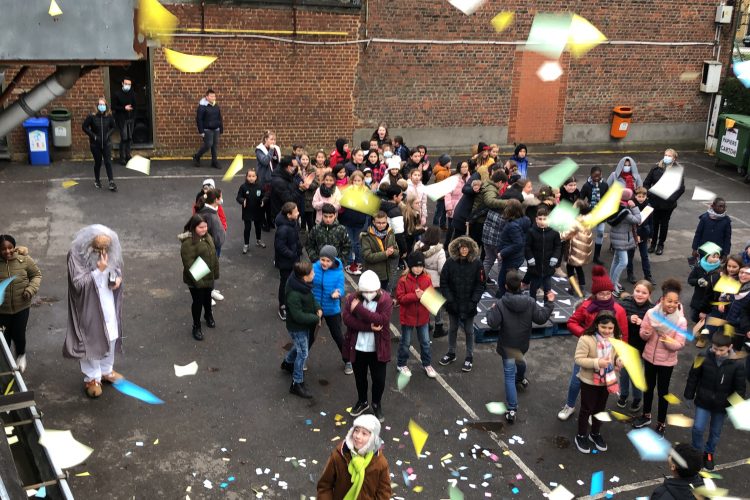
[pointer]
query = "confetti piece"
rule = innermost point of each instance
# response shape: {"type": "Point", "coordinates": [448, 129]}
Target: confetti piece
{"type": "Point", "coordinates": [725, 284]}
{"type": "Point", "coordinates": [418, 436]}
{"type": "Point", "coordinates": [645, 213]}
{"type": "Point", "coordinates": [501, 21]}
{"type": "Point", "coordinates": [706, 492]}
{"type": "Point", "coordinates": [12, 381]}
{"type": "Point", "coordinates": [549, 71]}
{"type": "Point", "coordinates": [41, 492]}
{"type": "Point", "coordinates": [679, 420]}
{"type": "Point", "coordinates": [631, 358]}
{"type": "Point", "coordinates": [739, 413]}
{"type": "Point", "coordinates": [402, 381]}
{"type": "Point", "coordinates": [418, 489]}
{"type": "Point", "coordinates": [515, 490]}
{"type": "Point", "coordinates": [714, 321]}
{"type": "Point", "coordinates": [710, 247]}
{"type": "Point", "coordinates": [135, 391]}
{"type": "Point", "coordinates": [468, 7]}
{"type": "Point", "coordinates": [438, 190]}
{"type": "Point", "coordinates": [188, 63]}
{"type": "Point", "coordinates": [554, 177]}
{"type": "Point", "coordinates": [672, 399]}
{"type": "Point", "coordinates": [670, 181]}
{"type": "Point", "coordinates": [139, 443]}
{"type": "Point", "coordinates": [69, 184]}
{"type": "Point", "coordinates": [156, 441]}
{"type": "Point", "coordinates": [563, 216]}
{"type": "Point", "coordinates": [698, 361]}
{"type": "Point", "coordinates": [688, 76]}
{"type": "Point", "coordinates": [54, 9]}
{"type": "Point", "coordinates": [3, 285]}
{"type": "Point", "coordinates": [199, 269]}
{"type": "Point", "coordinates": [701, 194]}
{"type": "Point", "coordinates": [83, 474]}
{"type": "Point", "coordinates": [242, 440]}
{"type": "Point", "coordinates": [455, 494]}
{"type": "Point", "coordinates": [139, 164]}
{"type": "Point", "coordinates": [603, 416]}
{"type": "Point", "coordinates": [597, 483]}
{"type": "Point", "coordinates": [549, 34]}
{"type": "Point", "coordinates": [360, 199]}
{"type": "Point", "coordinates": [432, 300]}
{"type": "Point", "coordinates": [63, 448]}
{"type": "Point", "coordinates": [560, 493]}
{"type": "Point", "coordinates": [189, 369]}
{"type": "Point", "coordinates": [608, 205]}
{"type": "Point", "coordinates": [650, 445]}
{"type": "Point", "coordinates": [13, 440]}
{"type": "Point", "coordinates": [741, 69]}
{"type": "Point", "coordinates": [497, 408]}
{"type": "Point", "coordinates": [236, 166]}
{"type": "Point", "coordinates": [155, 21]}
{"type": "Point", "coordinates": [711, 475]}
{"type": "Point", "coordinates": [583, 36]}
{"type": "Point", "coordinates": [674, 326]}
{"type": "Point", "coordinates": [576, 287]}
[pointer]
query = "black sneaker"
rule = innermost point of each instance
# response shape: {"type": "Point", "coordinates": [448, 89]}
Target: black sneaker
{"type": "Point", "coordinates": [97, 184]}
{"type": "Point", "coordinates": [447, 359]}
{"type": "Point", "coordinates": [510, 416]}
{"type": "Point", "coordinates": [439, 331]}
{"type": "Point", "coordinates": [708, 461]}
{"type": "Point", "coordinates": [659, 249]}
{"type": "Point", "coordinates": [112, 186]}
{"type": "Point", "coordinates": [468, 365]}
{"type": "Point", "coordinates": [359, 408]}
{"type": "Point", "coordinates": [642, 421]}
{"type": "Point", "coordinates": [377, 410]}
{"type": "Point", "coordinates": [300, 390]}
{"type": "Point", "coordinates": [660, 428]}
{"type": "Point", "coordinates": [636, 405]}
{"type": "Point", "coordinates": [522, 385]}
{"type": "Point", "coordinates": [287, 367]}
{"type": "Point", "coordinates": [490, 281]}
{"type": "Point", "coordinates": [598, 441]}
{"type": "Point", "coordinates": [622, 402]}
{"type": "Point", "coordinates": [282, 313]}
{"type": "Point", "coordinates": [582, 443]}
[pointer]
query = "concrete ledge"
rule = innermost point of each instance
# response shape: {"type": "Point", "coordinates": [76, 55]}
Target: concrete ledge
{"type": "Point", "coordinates": [445, 139]}
{"type": "Point", "coordinates": [640, 133]}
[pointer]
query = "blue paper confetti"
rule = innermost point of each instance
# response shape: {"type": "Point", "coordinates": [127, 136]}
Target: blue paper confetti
{"type": "Point", "coordinates": [308, 422]}
{"type": "Point", "coordinates": [3, 285]}
{"type": "Point", "coordinates": [230, 478]}
{"type": "Point", "coordinates": [223, 485]}
{"type": "Point", "coordinates": [664, 321]}
{"type": "Point", "coordinates": [406, 478]}
{"type": "Point", "coordinates": [597, 483]}
{"type": "Point", "coordinates": [650, 445]}
{"type": "Point", "coordinates": [515, 490]}
{"type": "Point", "coordinates": [135, 391]}
{"type": "Point", "coordinates": [41, 492]}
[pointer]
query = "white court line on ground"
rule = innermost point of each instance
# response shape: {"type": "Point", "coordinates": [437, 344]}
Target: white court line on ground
{"type": "Point", "coordinates": [469, 411]}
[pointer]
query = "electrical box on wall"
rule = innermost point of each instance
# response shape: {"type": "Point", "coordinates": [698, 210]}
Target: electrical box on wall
{"type": "Point", "coordinates": [710, 77]}
{"type": "Point", "coordinates": [724, 14]}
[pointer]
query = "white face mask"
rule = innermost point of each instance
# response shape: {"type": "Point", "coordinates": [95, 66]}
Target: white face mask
{"type": "Point", "coordinates": [370, 296]}
{"type": "Point", "coordinates": [667, 160]}
{"type": "Point", "coordinates": [125, 88]}
{"type": "Point", "coordinates": [626, 169]}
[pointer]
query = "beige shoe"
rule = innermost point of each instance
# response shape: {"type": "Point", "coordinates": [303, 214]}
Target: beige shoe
{"type": "Point", "coordinates": [93, 389]}
{"type": "Point", "coordinates": [112, 377]}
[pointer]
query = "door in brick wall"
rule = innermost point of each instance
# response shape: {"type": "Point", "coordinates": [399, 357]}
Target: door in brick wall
{"type": "Point", "coordinates": [141, 76]}
{"type": "Point", "coordinates": [537, 107]}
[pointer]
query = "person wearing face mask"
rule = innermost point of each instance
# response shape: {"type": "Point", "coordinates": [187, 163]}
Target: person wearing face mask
{"type": "Point", "coordinates": [99, 127]}
{"type": "Point", "coordinates": [210, 127]}
{"type": "Point", "coordinates": [123, 107]}
{"type": "Point", "coordinates": [662, 208]}
{"type": "Point", "coordinates": [626, 173]}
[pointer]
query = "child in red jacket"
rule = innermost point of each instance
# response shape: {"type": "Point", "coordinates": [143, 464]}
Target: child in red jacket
{"type": "Point", "coordinates": [413, 315]}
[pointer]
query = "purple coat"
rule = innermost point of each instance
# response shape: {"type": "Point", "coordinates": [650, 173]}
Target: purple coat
{"type": "Point", "coordinates": [360, 320]}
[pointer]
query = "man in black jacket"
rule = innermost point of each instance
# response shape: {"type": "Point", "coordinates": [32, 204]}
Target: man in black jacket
{"type": "Point", "coordinates": [210, 127]}
{"type": "Point", "coordinates": [99, 128]}
{"type": "Point", "coordinates": [123, 108]}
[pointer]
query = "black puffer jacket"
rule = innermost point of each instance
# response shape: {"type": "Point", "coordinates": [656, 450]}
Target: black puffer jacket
{"type": "Point", "coordinates": [462, 212]}
{"type": "Point", "coordinates": [677, 488]}
{"type": "Point", "coordinates": [711, 384]}
{"type": "Point", "coordinates": [513, 316]}
{"type": "Point", "coordinates": [99, 128]}
{"type": "Point", "coordinates": [703, 295]}
{"type": "Point", "coordinates": [283, 189]}
{"type": "Point", "coordinates": [287, 248]}
{"type": "Point", "coordinates": [634, 331]}
{"type": "Point", "coordinates": [659, 203]}
{"type": "Point", "coordinates": [542, 245]}
{"type": "Point", "coordinates": [462, 279]}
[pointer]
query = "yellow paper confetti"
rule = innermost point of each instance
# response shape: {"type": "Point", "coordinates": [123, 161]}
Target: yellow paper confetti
{"type": "Point", "coordinates": [156, 441]}
{"type": "Point", "coordinates": [501, 21]}
{"type": "Point", "coordinates": [727, 285]}
{"type": "Point", "coordinates": [155, 21]}
{"type": "Point", "coordinates": [9, 386]}
{"type": "Point", "coordinates": [338, 417]}
{"type": "Point", "coordinates": [236, 166]}
{"type": "Point", "coordinates": [631, 358]}
{"type": "Point", "coordinates": [583, 36]}
{"type": "Point", "coordinates": [432, 300]}
{"type": "Point", "coordinates": [679, 420]}
{"type": "Point", "coordinates": [83, 474]}
{"type": "Point", "coordinates": [710, 475]}
{"type": "Point", "coordinates": [418, 489]}
{"type": "Point", "coordinates": [139, 164]}
{"type": "Point", "coordinates": [714, 321]}
{"type": "Point", "coordinates": [672, 399]}
{"type": "Point", "coordinates": [361, 199]}
{"type": "Point", "coordinates": [576, 287]}
{"type": "Point", "coordinates": [54, 9]}
{"type": "Point", "coordinates": [698, 361]}
{"type": "Point", "coordinates": [735, 399]}
{"type": "Point", "coordinates": [336, 438]}
{"type": "Point", "coordinates": [418, 436]}
{"type": "Point", "coordinates": [69, 184]}
{"type": "Point", "coordinates": [188, 63]}
{"type": "Point", "coordinates": [705, 492]}
{"type": "Point", "coordinates": [608, 205]}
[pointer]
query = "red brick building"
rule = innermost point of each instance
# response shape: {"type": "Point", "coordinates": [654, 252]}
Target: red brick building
{"type": "Point", "coordinates": [435, 75]}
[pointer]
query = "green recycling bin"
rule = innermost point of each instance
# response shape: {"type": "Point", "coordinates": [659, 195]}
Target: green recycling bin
{"type": "Point", "coordinates": [62, 133]}
{"type": "Point", "coordinates": [733, 141]}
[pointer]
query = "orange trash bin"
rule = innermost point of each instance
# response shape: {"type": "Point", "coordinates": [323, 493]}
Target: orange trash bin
{"type": "Point", "coordinates": [621, 117]}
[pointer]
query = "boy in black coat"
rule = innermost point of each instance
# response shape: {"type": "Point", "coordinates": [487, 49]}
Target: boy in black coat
{"type": "Point", "coordinates": [593, 191]}
{"type": "Point", "coordinates": [543, 251]}
{"type": "Point", "coordinates": [250, 196]}
{"type": "Point", "coordinates": [287, 248]}
{"type": "Point", "coordinates": [710, 384]}
{"type": "Point", "coordinates": [644, 234]}
{"type": "Point", "coordinates": [684, 479]}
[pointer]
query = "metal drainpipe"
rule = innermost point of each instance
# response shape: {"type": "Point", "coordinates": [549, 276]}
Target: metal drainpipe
{"type": "Point", "coordinates": [29, 103]}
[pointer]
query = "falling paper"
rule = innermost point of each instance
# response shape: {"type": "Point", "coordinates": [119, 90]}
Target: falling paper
{"type": "Point", "coordinates": [199, 269]}
{"type": "Point", "coordinates": [648, 210]}
{"type": "Point", "coordinates": [631, 360]}
{"type": "Point", "coordinates": [698, 361]}
{"type": "Point", "coordinates": [672, 325]}
{"type": "Point", "coordinates": [608, 205]}
{"type": "Point", "coordinates": [576, 287]}
{"type": "Point", "coordinates": [597, 483]}
{"type": "Point", "coordinates": [725, 284]}
{"type": "Point", "coordinates": [455, 494]}
{"type": "Point", "coordinates": [501, 21]}
{"type": "Point", "coordinates": [650, 445]}
{"type": "Point", "coordinates": [670, 181]}
{"type": "Point", "coordinates": [236, 166]}
{"type": "Point", "coordinates": [361, 200]}
{"type": "Point", "coordinates": [739, 414]}
{"type": "Point", "coordinates": [402, 381]}
{"type": "Point", "coordinates": [679, 420]}
{"type": "Point", "coordinates": [560, 493]}
{"type": "Point", "coordinates": [139, 164]}
{"type": "Point", "coordinates": [563, 216]}
{"type": "Point", "coordinates": [603, 416]}
{"type": "Point", "coordinates": [741, 70]}
{"type": "Point", "coordinates": [189, 369]}
{"type": "Point", "coordinates": [672, 399]}
{"type": "Point", "coordinates": [54, 9]}
{"type": "Point", "coordinates": [135, 391]}
{"type": "Point", "coordinates": [188, 63]}
{"type": "Point", "coordinates": [155, 21]}
{"type": "Point", "coordinates": [584, 36]}
{"type": "Point", "coordinates": [69, 184]}
{"type": "Point", "coordinates": [41, 492]}
{"type": "Point", "coordinates": [432, 300]}
{"type": "Point", "coordinates": [620, 416]}
{"type": "Point", "coordinates": [418, 436]}
{"type": "Point", "coordinates": [556, 176]}
{"type": "Point", "coordinates": [549, 34]}
{"type": "Point", "coordinates": [710, 248]}
{"type": "Point", "coordinates": [3, 285]}
{"type": "Point", "coordinates": [549, 71]}
{"type": "Point", "coordinates": [497, 408]}
{"type": "Point", "coordinates": [700, 194]}
{"type": "Point", "coordinates": [440, 189]}
{"type": "Point", "coordinates": [468, 7]}
{"type": "Point", "coordinates": [63, 448]}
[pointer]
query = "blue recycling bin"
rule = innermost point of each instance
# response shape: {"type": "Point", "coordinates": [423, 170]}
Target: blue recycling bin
{"type": "Point", "coordinates": [37, 132]}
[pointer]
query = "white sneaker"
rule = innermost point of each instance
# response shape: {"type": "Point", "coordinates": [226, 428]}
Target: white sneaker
{"type": "Point", "coordinates": [405, 370]}
{"type": "Point", "coordinates": [304, 367]}
{"type": "Point", "coordinates": [348, 369]}
{"type": "Point", "coordinates": [244, 248]}
{"type": "Point", "coordinates": [566, 412]}
{"type": "Point", "coordinates": [215, 294]}
{"type": "Point", "coordinates": [21, 362]}
{"type": "Point", "coordinates": [430, 371]}
{"type": "Point", "coordinates": [213, 302]}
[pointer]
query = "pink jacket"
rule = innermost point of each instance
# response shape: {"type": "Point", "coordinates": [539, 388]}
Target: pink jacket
{"type": "Point", "coordinates": [418, 192]}
{"type": "Point", "coordinates": [319, 200]}
{"type": "Point", "coordinates": [452, 198]}
{"type": "Point", "coordinates": [661, 346]}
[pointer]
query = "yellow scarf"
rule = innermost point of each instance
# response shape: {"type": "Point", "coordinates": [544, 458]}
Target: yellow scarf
{"type": "Point", "coordinates": [357, 467]}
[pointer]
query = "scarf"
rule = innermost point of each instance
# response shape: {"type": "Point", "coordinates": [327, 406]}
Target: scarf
{"type": "Point", "coordinates": [380, 235]}
{"type": "Point", "coordinates": [595, 193]}
{"type": "Point", "coordinates": [326, 191]}
{"type": "Point", "coordinates": [714, 215]}
{"type": "Point", "coordinates": [601, 305]}
{"type": "Point", "coordinates": [357, 467]}
{"type": "Point", "coordinates": [604, 350]}
{"type": "Point", "coordinates": [628, 178]}
{"type": "Point", "coordinates": [707, 266]}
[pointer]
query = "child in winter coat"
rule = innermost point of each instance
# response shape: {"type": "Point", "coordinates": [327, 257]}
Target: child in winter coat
{"type": "Point", "coordinates": [328, 232]}
{"type": "Point", "coordinates": [287, 249]}
{"type": "Point", "coordinates": [597, 360]}
{"type": "Point", "coordinates": [570, 191]}
{"type": "Point", "coordinates": [413, 227]}
{"type": "Point", "coordinates": [714, 226]}
{"type": "Point", "coordinates": [684, 477]}
{"type": "Point", "coordinates": [434, 260]}
{"type": "Point", "coordinates": [197, 242]}
{"type": "Point", "coordinates": [328, 289]}
{"type": "Point", "coordinates": [310, 187]}
{"type": "Point", "coordinates": [643, 233]}
{"type": "Point", "coordinates": [379, 249]}
{"type": "Point", "coordinates": [250, 196]}
{"type": "Point", "coordinates": [710, 384]}
{"type": "Point", "coordinates": [441, 171]}
{"type": "Point", "coordinates": [451, 199]}
{"type": "Point", "coordinates": [543, 252]}
{"type": "Point", "coordinates": [702, 278]}
{"type": "Point", "coordinates": [660, 352]}
{"type": "Point", "coordinates": [416, 188]}
{"type": "Point", "coordinates": [580, 248]}
{"type": "Point", "coordinates": [327, 192]}
{"type": "Point", "coordinates": [719, 302]}
{"type": "Point", "coordinates": [462, 284]}
{"type": "Point", "coordinates": [626, 173]}
{"type": "Point", "coordinates": [519, 156]}
{"type": "Point", "coordinates": [512, 241]}
{"type": "Point", "coordinates": [512, 316]}
{"type": "Point", "coordinates": [622, 235]}
{"type": "Point", "coordinates": [593, 191]}
{"type": "Point", "coordinates": [342, 180]}
{"type": "Point", "coordinates": [304, 314]}
{"type": "Point", "coordinates": [341, 154]}
{"type": "Point", "coordinates": [210, 184]}
{"type": "Point", "coordinates": [738, 311]}
{"type": "Point", "coordinates": [636, 306]}
{"type": "Point", "coordinates": [414, 317]}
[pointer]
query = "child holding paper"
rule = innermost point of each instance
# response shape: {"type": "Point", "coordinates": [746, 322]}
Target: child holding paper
{"type": "Point", "coordinates": [636, 306]}
{"type": "Point", "coordinates": [413, 316]}
{"type": "Point", "coordinates": [434, 260]}
{"type": "Point", "coordinates": [702, 278]}
{"type": "Point", "coordinates": [720, 301]}
{"type": "Point", "coordinates": [198, 243]}
{"type": "Point", "coordinates": [643, 233]}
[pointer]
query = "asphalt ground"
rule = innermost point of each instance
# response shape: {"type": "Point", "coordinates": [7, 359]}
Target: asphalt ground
{"type": "Point", "coordinates": [235, 423]}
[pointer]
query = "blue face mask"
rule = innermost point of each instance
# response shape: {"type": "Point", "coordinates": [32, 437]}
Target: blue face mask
{"type": "Point", "coordinates": [102, 108]}
{"type": "Point", "coordinates": [667, 160]}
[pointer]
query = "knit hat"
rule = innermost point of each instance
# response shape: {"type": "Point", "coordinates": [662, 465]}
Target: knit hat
{"type": "Point", "coordinates": [600, 281]}
{"type": "Point", "coordinates": [371, 423]}
{"type": "Point", "coordinates": [394, 163]}
{"type": "Point", "coordinates": [415, 259]}
{"type": "Point", "coordinates": [627, 194]}
{"type": "Point", "coordinates": [369, 282]}
{"type": "Point", "coordinates": [328, 251]}
{"type": "Point", "coordinates": [209, 182]}
{"type": "Point", "coordinates": [482, 146]}
{"type": "Point", "coordinates": [444, 160]}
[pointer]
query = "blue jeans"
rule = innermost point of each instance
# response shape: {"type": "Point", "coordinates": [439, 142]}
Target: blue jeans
{"type": "Point", "coordinates": [574, 387]}
{"type": "Point", "coordinates": [423, 333]}
{"type": "Point", "coordinates": [619, 263]}
{"type": "Point", "coordinates": [298, 354]}
{"type": "Point", "coordinates": [645, 262]}
{"type": "Point", "coordinates": [599, 233]}
{"type": "Point", "coordinates": [700, 423]}
{"type": "Point", "coordinates": [354, 238]}
{"type": "Point", "coordinates": [515, 371]}
{"type": "Point", "coordinates": [625, 386]}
